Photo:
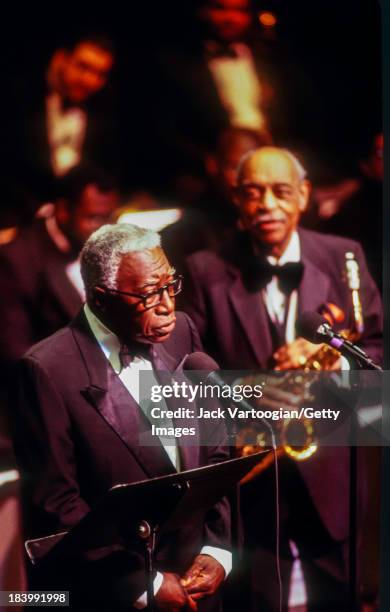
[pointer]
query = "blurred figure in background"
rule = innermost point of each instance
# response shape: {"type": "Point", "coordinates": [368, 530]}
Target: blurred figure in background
{"type": "Point", "coordinates": [212, 217]}
{"type": "Point", "coordinates": [240, 83]}
{"type": "Point", "coordinates": [39, 273]}
{"type": "Point", "coordinates": [233, 73]}
{"type": "Point", "coordinates": [40, 281]}
{"type": "Point", "coordinates": [353, 208]}
{"type": "Point", "coordinates": [61, 117]}
{"type": "Point", "coordinates": [220, 80]}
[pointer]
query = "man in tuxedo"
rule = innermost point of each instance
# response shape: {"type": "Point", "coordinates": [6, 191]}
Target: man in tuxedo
{"type": "Point", "coordinates": [39, 270]}
{"type": "Point", "coordinates": [231, 76]}
{"type": "Point", "coordinates": [221, 80]}
{"type": "Point", "coordinates": [244, 300]}
{"type": "Point", "coordinates": [94, 422]}
{"type": "Point", "coordinates": [62, 117]}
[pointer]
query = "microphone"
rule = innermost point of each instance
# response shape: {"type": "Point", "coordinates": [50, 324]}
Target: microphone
{"type": "Point", "coordinates": [196, 362]}
{"type": "Point", "coordinates": [315, 328]}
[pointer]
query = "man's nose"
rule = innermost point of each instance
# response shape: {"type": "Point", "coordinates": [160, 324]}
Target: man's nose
{"type": "Point", "coordinates": [166, 304]}
{"type": "Point", "coordinates": [269, 201]}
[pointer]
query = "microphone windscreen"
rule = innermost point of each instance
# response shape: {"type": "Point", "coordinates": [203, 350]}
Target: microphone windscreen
{"type": "Point", "coordinates": [200, 361]}
{"type": "Point", "coordinates": [307, 326]}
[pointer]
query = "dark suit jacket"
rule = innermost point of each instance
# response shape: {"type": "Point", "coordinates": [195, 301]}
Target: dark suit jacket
{"type": "Point", "coordinates": [76, 435]}
{"type": "Point", "coordinates": [232, 320]}
{"type": "Point", "coordinates": [37, 296]}
{"type": "Point", "coordinates": [234, 328]}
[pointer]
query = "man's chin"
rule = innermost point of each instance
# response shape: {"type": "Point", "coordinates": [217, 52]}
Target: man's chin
{"type": "Point", "coordinates": [159, 339]}
{"type": "Point", "coordinates": [159, 334]}
{"type": "Point", "coordinates": [269, 239]}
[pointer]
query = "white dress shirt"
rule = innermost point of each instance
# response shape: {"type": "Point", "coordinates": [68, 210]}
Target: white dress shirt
{"type": "Point", "coordinates": [239, 88]}
{"type": "Point", "coordinates": [66, 134]}
{"type": "Point", "coordinates": [274, 299]}
{"type": "Point", "coordinates": [110, 345]}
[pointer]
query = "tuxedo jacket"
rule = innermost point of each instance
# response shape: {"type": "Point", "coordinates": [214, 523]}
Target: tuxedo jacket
{"type": "Point", "coordinates": [232, 319]}
{"type": "Point", "coordinates": [37, 296]}
{"type": "Point", "coordinates": [234, 327]}
{"type": "Point", "coordinates": [77, 434]}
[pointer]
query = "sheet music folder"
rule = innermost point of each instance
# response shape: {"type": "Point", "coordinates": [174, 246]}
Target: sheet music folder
{"type": "Point", "coordinates": [167, 502]}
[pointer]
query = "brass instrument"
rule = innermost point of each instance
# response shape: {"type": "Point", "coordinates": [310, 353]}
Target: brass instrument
{"type": "Point", "coordinates": [353, 280]}
{"type": "Point", "coordinates": [252, 436]}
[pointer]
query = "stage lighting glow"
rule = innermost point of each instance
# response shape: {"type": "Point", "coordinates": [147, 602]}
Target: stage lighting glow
{"type": "Point", "coordinates": [151, 219]}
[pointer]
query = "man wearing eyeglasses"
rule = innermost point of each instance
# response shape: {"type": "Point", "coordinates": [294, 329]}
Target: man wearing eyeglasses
{"type": "Point", "coordinates": [80, 420]}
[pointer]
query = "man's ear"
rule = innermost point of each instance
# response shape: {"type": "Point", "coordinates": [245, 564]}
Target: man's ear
{"type": "Point", "coordinates": [99, 298]}
{"type": "Point", "coordinates": [304, 194]}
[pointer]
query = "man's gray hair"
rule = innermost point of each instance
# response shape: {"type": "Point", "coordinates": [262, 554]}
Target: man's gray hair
{"type": "Point", "coordinates": [102, 253]}
{"type": "Point", "coordinates": [302, 173]}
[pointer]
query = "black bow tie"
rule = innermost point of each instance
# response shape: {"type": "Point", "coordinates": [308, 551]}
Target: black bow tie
{"type": "Point", "coordinates": [127, 353]}
{"type": "Point", "coordinates": [261, 273]}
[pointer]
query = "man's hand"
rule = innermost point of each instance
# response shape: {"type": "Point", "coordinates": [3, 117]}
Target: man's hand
{"type": "Point", "coordinates": [172, 597]}
{"type": "Point", "coordinates": [203, 577]}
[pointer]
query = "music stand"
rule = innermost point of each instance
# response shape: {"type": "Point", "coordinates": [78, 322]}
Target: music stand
{"type": "Point", "coordinates": [183, 497]}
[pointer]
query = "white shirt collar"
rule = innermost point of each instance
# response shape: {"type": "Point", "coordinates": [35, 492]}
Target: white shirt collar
{"type": "Point", "coordinates": [292, 252]}
{"type": "Point", "coordinates": [108, 341]}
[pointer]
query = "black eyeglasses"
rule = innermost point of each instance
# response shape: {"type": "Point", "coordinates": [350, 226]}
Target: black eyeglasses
{"type": "Point", "coordinates": [153, 298]}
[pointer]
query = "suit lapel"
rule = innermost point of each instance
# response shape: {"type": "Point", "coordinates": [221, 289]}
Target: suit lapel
{"type": "Point", "coordinates": [250, 309]}
{"type": "Point", "coordinates": [117, 407]}
{"type": "Point", "coordinates": [251, 313]}
{"type": "Point", "coordinates": [315, 285]}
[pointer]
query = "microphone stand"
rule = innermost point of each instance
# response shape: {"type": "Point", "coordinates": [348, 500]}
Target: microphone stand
{"type": "Point", "coordinates": [358, 360]}
{"type": "Point", "coordinates": [353, 489]}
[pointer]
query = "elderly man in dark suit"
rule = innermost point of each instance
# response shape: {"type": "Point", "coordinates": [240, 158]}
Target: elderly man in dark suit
{"type": "Point", "coordinates": [244, 300]}
{"type": "Point", "coordinates": [80, 422]}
